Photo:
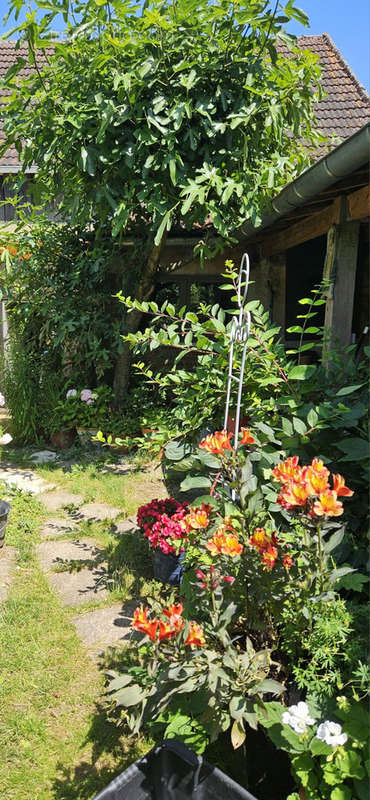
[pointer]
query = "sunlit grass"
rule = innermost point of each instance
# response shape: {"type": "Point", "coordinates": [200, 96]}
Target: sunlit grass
{"type": "Point", "coordinates": [56, 741]}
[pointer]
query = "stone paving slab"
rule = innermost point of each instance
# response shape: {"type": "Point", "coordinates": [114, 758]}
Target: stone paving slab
{"type": "Point", "coordinates": [104, 627]}
{"type": "Point", "coordinates": [7, 558]}
{"type": "Point", "coordinates": [24, 479]}
{"type": "Point", "coordinates": [97, 512]}
{"type": "Point", "coordinates": [59, 499]}
{"type": "Point", "coordinates": [44, 456]}
{"type": "Point", "coordinates": [120, 468]}
{"type": "Point", "coordinates": [57, 526]}
{"type": "Point", "coordinates": [128, 525]}
{"type": "Point", "coordinates": [75, 587]}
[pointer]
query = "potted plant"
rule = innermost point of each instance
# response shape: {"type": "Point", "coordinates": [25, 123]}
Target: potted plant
{"type": "Point", "coordinates": [161, 523]}
{"type": "Point", "coordinates": [93, 407]}
{"type": "Point", "coordinates": [81, 411]}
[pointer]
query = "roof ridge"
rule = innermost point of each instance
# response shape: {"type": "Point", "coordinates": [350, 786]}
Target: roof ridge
{"type": "Point", "coordinates": [361, 89]}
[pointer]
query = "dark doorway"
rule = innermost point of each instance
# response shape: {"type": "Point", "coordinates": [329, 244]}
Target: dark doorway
{"type": "Point", "coordinates": [304, 269]}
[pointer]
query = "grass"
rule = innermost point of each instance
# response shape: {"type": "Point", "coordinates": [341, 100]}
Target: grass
{"type": "Point", "coordinates": [56, 741]}
{"type": "Point", "coordinates": [126, 492]}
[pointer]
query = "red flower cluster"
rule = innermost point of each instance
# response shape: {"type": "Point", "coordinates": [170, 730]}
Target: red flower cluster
{"type": "Point", "coordinates": [160, 521]}
{"type": "Point", "coordinates": [159, 630]}
{"type": "Point", "coordinates": [308, 488]}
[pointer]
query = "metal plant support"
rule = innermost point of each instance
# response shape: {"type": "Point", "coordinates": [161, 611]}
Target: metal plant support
{"type": "Point", "coordinates": [239, 332]}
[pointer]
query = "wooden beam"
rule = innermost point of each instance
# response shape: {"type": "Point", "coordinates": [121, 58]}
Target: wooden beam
{"type": "Point", "coordinates": [359, 203]}
{"type": "Point", "coordinates": [315, 225]}
{"type": "Point", "coordinates": [340, 271]}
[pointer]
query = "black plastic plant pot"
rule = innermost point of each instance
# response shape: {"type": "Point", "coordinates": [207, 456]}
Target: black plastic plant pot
{"type": "Point", "coordinates": [4, 513]}
{"type": "Point", "coordinates": [167, 567]}
{"type": "Point", "coordinates": [172, 772]}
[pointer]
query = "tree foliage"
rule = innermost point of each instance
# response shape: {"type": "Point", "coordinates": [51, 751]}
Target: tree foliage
{"type": "Point", "coordinates": [147, 119]}
{"type": "Point", "coordinates": [180, 112]}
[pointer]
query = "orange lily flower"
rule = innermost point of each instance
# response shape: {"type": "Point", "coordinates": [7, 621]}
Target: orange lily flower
{"type": "Point", "coordinates": [340, 487]}
{"type": "Point", "coordinates": [166, 631]}
{"type": "Point", "coordinates": [259, 539]}
{"type": "Point", "coordinates": [293, 495]}
{"type": "Point", "coordinates": [216, 443]}
{"type": "Point", "coordinates": [173, 610]}
{"type": "Point", "coordinates": [287, 561]}
{"type": "Point", "coordinates": [226, 544]}
{"type": "Point", "coordinates": [141, 623]}
{"type": "Point", "coordinates": [287, 470]}
{"type": "Point", "coordinates": [195, 635]}
{"type": "Point", "coordinates": [269, 557]}
{"type": "Point", "coordinates": [316, 481]}
{"type": "Point", "coordinates": [197, 518]}
{"type": "Point", "coordinates": [247, 437]}
{"type": "Point", "coordinates": [318, 466]}
{"type": "Point", "coordinates": [327, 505]}
{"type": "Point", "coordinates": [140, 618]}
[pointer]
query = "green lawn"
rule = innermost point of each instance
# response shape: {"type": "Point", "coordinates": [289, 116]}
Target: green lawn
{"type": "Point", "coordinates": [122, 491]}
{"type": "Point", "coordinates": [55, 740]}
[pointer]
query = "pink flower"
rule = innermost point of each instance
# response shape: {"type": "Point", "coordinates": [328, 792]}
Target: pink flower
{"type": "Point", "coordinates": [86, 395]}
{"type": "Point", "coordinates": [2, 400]}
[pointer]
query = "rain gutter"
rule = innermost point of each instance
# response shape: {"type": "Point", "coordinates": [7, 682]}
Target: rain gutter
{"type": "Point", "coordinates": [347, 157]}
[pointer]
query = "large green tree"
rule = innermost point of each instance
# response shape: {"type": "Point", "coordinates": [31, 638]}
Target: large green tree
{"type": "Point", "coordinates": [147, 118]}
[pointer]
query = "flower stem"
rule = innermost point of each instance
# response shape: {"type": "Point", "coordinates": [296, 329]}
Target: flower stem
{"type": "Point", "coordinates": [320, 558]}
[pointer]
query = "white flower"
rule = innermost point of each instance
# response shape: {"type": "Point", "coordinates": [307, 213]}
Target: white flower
{"type": "Point", "coordinates": [71, 393]}
{"type": "Point", "coordinates": [6, 438]}
{"type": "Point", "coordinates": [298, 717]}
{"type": "Point", "coordinates": [331, 733]}
{"type": "Point", "coordinates": [2, 400]}
{"type": "Point", "coordinates": [86, 395]}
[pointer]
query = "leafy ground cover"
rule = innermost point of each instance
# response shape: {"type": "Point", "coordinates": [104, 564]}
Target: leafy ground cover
{"type": "Point", "coordinates": [55, 739]}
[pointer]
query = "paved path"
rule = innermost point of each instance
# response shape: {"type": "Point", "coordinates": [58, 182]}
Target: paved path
{"type": "Point", "coordinates": [23, 478]}
{"type": "Point", "coordinates": [76, 569]}
{"type": "Point", "coordinates": [75, 566]}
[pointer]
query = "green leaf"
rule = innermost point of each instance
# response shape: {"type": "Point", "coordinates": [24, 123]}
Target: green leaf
{"type": "Point", "coordinates": [312, 418]}
{"type": "Point", "coordinates": [166, 219]}
{"type": "Point", "coordinates": [268, 685]}
{"type": "Point", "coordinates": [334, 540]}
{"type": "Point", "coordinates": [299, 426]}
{"type": "Point", "coordinates": [349, 389]}
{"type": "Point", "coordinates": [341, 793]}
{"type": "Point", "coordinates": [339, 573]}
{"type": "Point", "coordinates": [176, 451]}
{"type": "Point", "coordinates": [353, 582]}
{"type": "Point", "coordinates": [196, 482]}
{"type": "Point", "coordinates": [301, 372]}
{"type": "Point", "coordinates": [287, 426]}
{"type": "Point", "coordinates": [354, 448]}
{"type": "Point", "coordinates": [207, 499]}
{"type": "Point", "coordinates": [319, 748]}
{"type": "Point", "coordinates": [237, 734]}
{"type": "Point", "coordinates": [119, 682]}
{"type": "Point", "coordinates": [129, 696]}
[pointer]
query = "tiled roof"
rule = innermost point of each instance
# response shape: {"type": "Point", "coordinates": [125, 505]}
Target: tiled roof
{"type": "Point", "coordinates": [8, 57]}
{"type": "Point", "coordinates": [346, 107]}
{"type": "Point", "coordinates": [344, 110]}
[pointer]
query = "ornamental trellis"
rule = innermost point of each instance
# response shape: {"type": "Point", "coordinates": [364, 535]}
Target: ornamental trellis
{"type": "Point", "coordinates": [239, 332]}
